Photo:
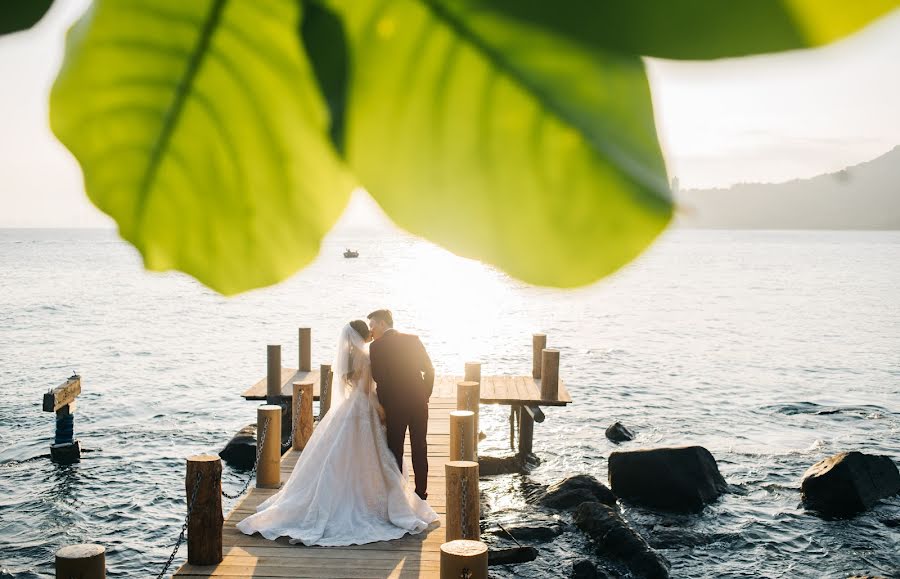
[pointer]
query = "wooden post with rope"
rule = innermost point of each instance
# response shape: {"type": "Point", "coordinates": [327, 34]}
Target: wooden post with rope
{"type": "Point", "coordinates": [268, 465]}
{"type": "Point", "coordinates": [464, 559]}
{"type": "Point", "coordinates": [468, 397]}
{"type": "Point", "coordinates": [325, 382]}
{"type": "Point", "coordinates": [463, 502]}
{"type": "Point", "coordinates": [273, 373]}
{"type": "Point", "coordinates": [302, 413]}
{"type": "Point", "coordinates": [304, 349]}
{"type": "Point", "coordinates": [462, 435]}
{"type": "Point", "coordinates": [84, 561]}
{"type": "Point", "coordinates": [204, 532]}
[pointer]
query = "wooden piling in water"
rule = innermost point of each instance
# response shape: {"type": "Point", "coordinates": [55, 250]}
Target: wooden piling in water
{"type": "Point", "coordinates": [304, 346]}
{"type": "Point", "coordinates": [463, 502]}
{"type": "Point", "coordinates": [302, 414]}
{"type": "Point", "coordinates": [325, 380]}
{"type": "Point", "coordinates": [462, 435]}
{"type": "Point", "coordinates": [468, 397]}
{"type": "Point", "coordinates": [550, 374]}
{"type": "Point", "coordinates": [273, 373]}
{"type": "Point", "coordinates": [84, 561]}
{"type": "Point", "coordinates": [268, 421]}
{"type": "Point", "coordinates": [526, 432]}
{"type": "Point", "coordinates": [538, 344]}
{"type": "Point", "coordinates": [464, 559]}
{"type": "Point", "coordinates": [204, 532]}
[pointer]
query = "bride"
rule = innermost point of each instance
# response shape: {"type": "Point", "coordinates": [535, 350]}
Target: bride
{"type": "Point", "coordinates": [346, 488]}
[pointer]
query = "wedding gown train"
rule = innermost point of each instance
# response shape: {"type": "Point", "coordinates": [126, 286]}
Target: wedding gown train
{"type": "Point", "coordinates": [346, 488]}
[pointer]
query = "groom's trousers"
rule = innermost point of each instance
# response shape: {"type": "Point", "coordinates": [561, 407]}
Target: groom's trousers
{"type": "Point", "coordinates": [416, 419]}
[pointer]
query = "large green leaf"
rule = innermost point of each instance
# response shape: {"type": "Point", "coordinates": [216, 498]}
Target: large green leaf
{"type": "Point", "coordinates": [527, 151]}
{"type": "Point", "coordinates": [199, 128]}
{"type": "Point", "coordinates": [16, 15]}
{"type": "Point", "coordinates": [681, 29]}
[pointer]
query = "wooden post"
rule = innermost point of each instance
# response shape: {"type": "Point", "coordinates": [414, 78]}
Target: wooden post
{"type": "Point", "coordinates": [468, 397]}
{"type": "Point", "coordinates": [304, 359]}
{"type": "Point", "coordinates": [268, 471]}
{"type": "Point", "coordinates": [303, 414]}
{"type": "Point", "coordinates": [61, 400]}
{"type": "Point", "coordinates": [473, 372]}
{"type": "Point", "coordinates": [462, 435]}
{"type": "Point", "coordinates": [538, 343]}
{"type": "Point", "coordinates": [325, 379]}
{"type": "Point", "coordinates": [273, 373]}
{"type": "Point", "coordinates": [85, 561]}
{"type": "Point", "coordinates": [550, 375]}
{"type": "Point", "coordinates": [464, 559]}
{"type": "Point", "coordinates": [526, 433]}
{"type": "Point", "coordinates": [463, 503]}
{"type": "Point", "coordinates": [204, 533]}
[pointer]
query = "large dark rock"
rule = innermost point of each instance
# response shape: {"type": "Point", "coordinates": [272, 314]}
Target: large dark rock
{"type": "Point", "coordinates": [511, 556]}
{"type": "Point", "coordinates": [617, 432]}
{"type": "Point", "coordinates": [493, 465]}
{"type": "Point", "coordinates": [682, 479]}
{"type": "Point", "coordinates": [585, 569]}
{"type": "Point", "coordinates": [849, 482]}
{"type": "Point", "coordinates": [614, 539]}
{"type": "Point", "coordinates": [571, 492]}
{"type": "Point", "coordinates": [240, 452]}
{"type": "Point", "coordinates": [536, 528]}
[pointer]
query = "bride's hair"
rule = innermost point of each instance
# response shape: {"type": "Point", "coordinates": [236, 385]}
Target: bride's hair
{"type": "Point", "coordinates": [361, 328]}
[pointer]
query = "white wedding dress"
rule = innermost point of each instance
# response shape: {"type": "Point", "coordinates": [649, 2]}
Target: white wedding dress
{"type": "Point", "coordinates": [346, 488]}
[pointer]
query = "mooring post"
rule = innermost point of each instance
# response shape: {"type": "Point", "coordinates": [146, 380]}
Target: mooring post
{"type": "Point", "coordinates": [302, 413]}
{"type": "Point", "coordinates": [463, 558]}
{"type": "Point", "coordinates": [538, 344]}
{"type": "Point", "coordinates": [462, 435]}
{"type": "Point", "coordinates": [473, 372]}
{"type": "Point", "coordinates": [61, 400]}
{"type": "Point", "coordinates": [268, 427]}
{"type": "Point", "coordinates": [273, 373]}
{"type": "Point", "coordinates": [463, 502]}
{"type": "Point", "coordinates": [304, 360]}
{"type": "Point", "coordinates": [325, 378]}
{"type": "Point", "coordinates": [550, 374]}
{"type": "Point", "coordinates": [204, 501]}
{"type": "Point", "coordinates": [85, 561]}
{"type": "Point", "coordinates": [526, 433]}
{"type": "Point", "coordinates": [468, 397]}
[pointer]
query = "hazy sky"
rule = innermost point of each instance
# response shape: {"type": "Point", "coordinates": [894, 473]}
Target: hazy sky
{"type": "Point", "coordinates": [767, 118]}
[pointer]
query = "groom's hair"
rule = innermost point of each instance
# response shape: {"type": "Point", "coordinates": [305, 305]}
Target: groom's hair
{"type": "Point", "coordinates": [383, 316]}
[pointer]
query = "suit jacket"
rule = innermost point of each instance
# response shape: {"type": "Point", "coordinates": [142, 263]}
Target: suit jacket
{"type": "Point", "coordinates": [402, 369]}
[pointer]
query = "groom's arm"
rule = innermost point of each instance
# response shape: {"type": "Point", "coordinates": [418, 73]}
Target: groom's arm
{"type": "Point", "coordinates": [425, 366]}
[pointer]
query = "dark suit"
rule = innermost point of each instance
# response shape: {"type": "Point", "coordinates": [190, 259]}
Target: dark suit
{"type": "Point", "coordinates": [405, 377]}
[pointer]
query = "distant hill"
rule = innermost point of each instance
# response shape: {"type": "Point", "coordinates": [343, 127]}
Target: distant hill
{"type": "Point", "coordinates": [864, 196]}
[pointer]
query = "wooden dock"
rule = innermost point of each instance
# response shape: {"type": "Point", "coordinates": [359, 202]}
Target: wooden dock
{"type": "Point", "coordinates": [410, 556]}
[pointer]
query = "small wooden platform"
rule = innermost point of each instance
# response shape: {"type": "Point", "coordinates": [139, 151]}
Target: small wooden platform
{"type": "Point", "coordinates": [510, 390]}
{"type": "Point", "coordinates": [407, 557]}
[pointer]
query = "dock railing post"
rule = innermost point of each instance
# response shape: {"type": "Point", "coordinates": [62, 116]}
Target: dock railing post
{"type": "Point", "coordinates": [268, 429]}
{"type": "Point", "coordinates": [462, 435]}
{"type": "Point", "coordinates": [463, 502]}
{"type": "Point", "coordinates": [468, 397]}
{"type": "Point", "coordinates": [302, 413]}
{"type": "Point", "coordinates": [550, 374]}
{"type": "Point", "coordinates": [85, 561]}
{"type": "Point", "coordinates": [463, 558]}
{"type": "Point", "coordinates": [538, 344]}
{"type": "Point", "coordinates": [473, 372]}
{"type": "Point", "coordinates": [203, 489]}
{"type": "Point", "coordinates": [325, 381]}
{"type": "Point", "coordinates": [304, 357]}
{"type": "Point", "coordinates": [273, 373]}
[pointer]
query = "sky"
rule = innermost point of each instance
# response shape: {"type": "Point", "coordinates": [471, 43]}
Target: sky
{"type": "Point", "coordinates": [761, 119]}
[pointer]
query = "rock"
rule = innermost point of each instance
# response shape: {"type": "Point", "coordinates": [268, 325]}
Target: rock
{"type": "Point", "coordinates": [571, 492]}
{"type": "Point", "coordinates": [492, 465]}
{"type": "Point", "coordinates": [585, 569]}
{"type": "Point", "coordinates": [540, 529]}
{"type": "Point", "coordinates": [617, 433]}
{"type": "Point", "coordinates": [613, 538]}
{"type": "Point", "coordinates": [511, 556]}
{"type": "Point", "coordinates": [240, 452]}
{"type": "Point", "coordinates": [849, 482]}
{"type": "Point", "coordinates": [682, 479]}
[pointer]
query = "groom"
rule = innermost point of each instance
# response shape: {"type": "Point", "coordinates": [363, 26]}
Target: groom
{"type": "Point", "coordinates": [405, 377]}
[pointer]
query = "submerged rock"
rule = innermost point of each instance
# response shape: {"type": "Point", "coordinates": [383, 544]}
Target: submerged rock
{"type": "Point", "coordinates": [493, 465]}
{"type": "Point", "coordinates": [240, 452]}
{"type": "Point", "coordinates": [613, 538]}
{"type": "Point", "coordinates": [617, 432]}
{"type": "Point", "coordinates": [849, 482]}
{"type": "Point", "coordinates": [681, 479]}
{"type": "Point", "coordinates": [511, 556]}
{"type": "Point", "coordinates": [535, 528]}
{"type": "Point", "coordinates": [585, 569]}
{"type": "Point", "coordinates": [571, 492]}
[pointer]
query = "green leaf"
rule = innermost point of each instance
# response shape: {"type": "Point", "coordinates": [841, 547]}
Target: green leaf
{"type": "Point", "coordinates": [525, 151]}
{"type": "Point", "coordinates": [200, 128]}
{"type": "Point", "coordinates": [681, 29]}
{"type": "Point", "coordinates": [19, 15]}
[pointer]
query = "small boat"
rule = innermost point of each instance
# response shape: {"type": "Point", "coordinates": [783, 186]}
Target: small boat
{"type": "Point", "coordinates": [349, 253]}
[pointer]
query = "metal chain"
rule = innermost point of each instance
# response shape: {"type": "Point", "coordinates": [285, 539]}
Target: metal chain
{"type": "Point", "coordinates": [464, 503]}
{"type": "Point", "coordinates": [187, 517]}
{"type": "Point", "coordinates": [259, 444]}
{"type": "Point", "coordinates": [295, 417]}
{"type": "Point", "coordinates": [466, 573]}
